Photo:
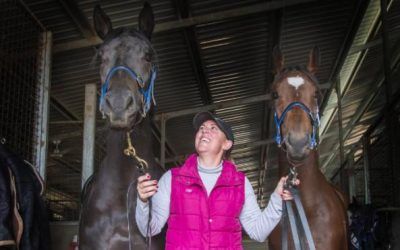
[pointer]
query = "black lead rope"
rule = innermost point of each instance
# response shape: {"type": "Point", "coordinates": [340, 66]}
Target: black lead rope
{"type": "Point", "coordinates": [148, 232]}
{"type": "Point", "coordinates": [289, 213]}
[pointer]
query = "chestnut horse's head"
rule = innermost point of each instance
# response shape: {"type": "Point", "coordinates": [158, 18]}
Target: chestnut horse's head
{"type": "Point", "coordinates": [127, 68]}
{"type": "Point", "coordinates": [296, 116]}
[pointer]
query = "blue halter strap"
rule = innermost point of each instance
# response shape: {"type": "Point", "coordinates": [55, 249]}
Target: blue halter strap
{"type": "Point", "coordinates": [314, 117]}
{"type": "Point", "coordinates": [148, 94]}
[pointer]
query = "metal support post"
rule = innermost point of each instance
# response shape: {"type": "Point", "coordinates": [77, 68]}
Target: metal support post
{"type": "Point", "coordinates": [388, 93]}
{"type": "Point", "coordinates": [367, 195]}
{"type": "Point", "coordinates": [340, 121]}
{"type": "Point", "coordinates": [351, 176]}
{"type": "Point", "coordinates": [89, 129]}
{"type": "Point", "coordinates": [42, 124]}
{"type": "Point", "coordinates": [389, 122]}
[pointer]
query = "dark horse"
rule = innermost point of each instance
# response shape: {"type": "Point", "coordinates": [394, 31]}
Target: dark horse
{"type": "Point", "coordinates": [127, 72]}
{"type": "Point", "coordinates": [295, 91]}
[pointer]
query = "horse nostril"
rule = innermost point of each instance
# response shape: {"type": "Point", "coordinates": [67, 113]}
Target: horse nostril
{"type": "Point", "coordinates": [129, 102]}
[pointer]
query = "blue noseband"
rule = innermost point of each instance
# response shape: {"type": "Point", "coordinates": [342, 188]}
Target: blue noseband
{"type": "Point", "coordinates": [314, 117]}
{"type": "Point", "coordinates": [148, 94]}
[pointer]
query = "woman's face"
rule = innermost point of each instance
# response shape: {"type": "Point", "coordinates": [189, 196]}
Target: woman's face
{"type": "Point", "coordinates": [211, 140]}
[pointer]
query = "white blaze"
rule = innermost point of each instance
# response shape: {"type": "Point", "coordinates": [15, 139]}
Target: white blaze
{"type": "Point", "coordinates": [296, 81]}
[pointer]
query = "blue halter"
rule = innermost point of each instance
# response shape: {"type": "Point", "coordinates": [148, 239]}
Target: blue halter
{"type": "Point", "coordinates": [314, 117]}
{"type": "Point", "coordinates": [148, 94]}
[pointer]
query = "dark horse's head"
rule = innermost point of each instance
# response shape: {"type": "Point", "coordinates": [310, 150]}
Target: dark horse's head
{"type": "Point", "coordinates": [295, 92]}
{"type": "Point", "coordinates": [127, 68]}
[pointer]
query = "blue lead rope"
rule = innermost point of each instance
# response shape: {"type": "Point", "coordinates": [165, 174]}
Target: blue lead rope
{"type": "Point", "coordinates": [148, 94]}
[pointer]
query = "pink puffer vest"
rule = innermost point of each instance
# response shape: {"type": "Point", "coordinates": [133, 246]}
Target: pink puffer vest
{"type": "Point", "coordinates": [200, 222]}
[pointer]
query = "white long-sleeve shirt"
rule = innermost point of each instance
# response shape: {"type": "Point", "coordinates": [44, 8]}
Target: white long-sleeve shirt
{"type": "Point", "coordinates": [258, 224]}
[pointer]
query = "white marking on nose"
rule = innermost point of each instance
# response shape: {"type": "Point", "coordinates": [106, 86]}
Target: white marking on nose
{"type": "Point", "coordinates": [296, 81]}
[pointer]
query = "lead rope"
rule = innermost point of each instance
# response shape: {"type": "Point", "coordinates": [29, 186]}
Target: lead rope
{"type": "Point", "coordinates": [143, 165]}
{"type": "Point", "coordinates": [288, 211]}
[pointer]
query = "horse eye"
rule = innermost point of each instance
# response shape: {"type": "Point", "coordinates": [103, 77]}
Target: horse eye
{"type": "Point", "coordinates": [317, 95]}
{"type": "Point", "coordinates": [148, 57]}
{"type": "Point", "coordinates": [275, 95]}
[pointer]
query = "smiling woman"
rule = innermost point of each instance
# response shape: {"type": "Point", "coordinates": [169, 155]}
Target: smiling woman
{"type": "Point", "coordinates": [206, 199]}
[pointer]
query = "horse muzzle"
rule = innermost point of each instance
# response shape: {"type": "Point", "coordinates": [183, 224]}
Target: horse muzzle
{"type": "Point", "coordinates": [120, 111]}
{"type": "Point", "coordinates": [298, 148]}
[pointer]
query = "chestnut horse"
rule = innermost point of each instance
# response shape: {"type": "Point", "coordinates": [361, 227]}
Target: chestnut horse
{"type": "Point", "coordinates": [295, 91]}
{"type": "Point", "coordinates": [128, 74]}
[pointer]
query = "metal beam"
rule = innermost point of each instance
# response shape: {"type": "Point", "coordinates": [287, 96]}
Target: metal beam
{"type": "Point", "coordinates": [62, 109]}
{"type": "Point", "coordinates": [190, 35]}
{"type": "Point", "coordinates": [32, 15]}
{"type": "Point", "coordinates": [365, 46]}
{"type": "Point", "coordinates": [370, 44]}
{"type": "Point", "coordinates": [79, 18]}
{"type": "Point", "coordinates": [220, 105]}
{"type": "Point", "coordinates": [192, 21]}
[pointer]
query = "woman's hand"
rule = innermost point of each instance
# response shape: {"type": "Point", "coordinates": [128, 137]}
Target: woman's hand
{"type": "Point", "coordinates": [283, 193]}
{"type": "Point", "coordinates": [146, 187]}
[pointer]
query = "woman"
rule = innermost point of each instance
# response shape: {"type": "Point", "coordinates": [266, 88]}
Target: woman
{"type": "Point", "coordinates": [207, 201]}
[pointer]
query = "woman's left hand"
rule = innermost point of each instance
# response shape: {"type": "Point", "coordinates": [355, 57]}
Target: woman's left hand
{"type": "Point", "coordinates": [284, 193]}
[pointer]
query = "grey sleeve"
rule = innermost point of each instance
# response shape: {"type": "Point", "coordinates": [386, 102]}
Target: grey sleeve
{"type": "Point", "coordinates": [160, 210]}
{"type": "Point", "coordinates": [259, 224]}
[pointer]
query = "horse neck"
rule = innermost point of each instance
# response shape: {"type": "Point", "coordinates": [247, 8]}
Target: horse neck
{"type": "Point", "coordinates": [308, 171]}
{"type": "Point", "coordinates": [142, 140]}
{"type": "Point", "coordinates": [117, 142]}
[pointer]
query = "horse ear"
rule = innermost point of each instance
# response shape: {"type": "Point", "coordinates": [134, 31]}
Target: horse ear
{"type": "Point", "coordinates": [278, 59]}
{"type": "Point", "coordinates": [313, 60]}
{"type": "Point", "coordinates": [102, 23]}
{"type": "Point", "coordinates": [146, 20]}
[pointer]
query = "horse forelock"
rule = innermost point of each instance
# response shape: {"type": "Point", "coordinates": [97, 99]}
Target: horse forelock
{"type": "Point", "coordinates": [296, 83]}
{"type": "Point", "coordinates": [300, 70]}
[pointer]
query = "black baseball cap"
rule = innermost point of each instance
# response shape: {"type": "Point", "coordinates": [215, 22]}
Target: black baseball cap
{"type": "Point", "coordinates": [201, 117]}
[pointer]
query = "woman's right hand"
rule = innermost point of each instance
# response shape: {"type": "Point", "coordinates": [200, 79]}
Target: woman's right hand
{"type": "Point", "coordinates": [146, 187]}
